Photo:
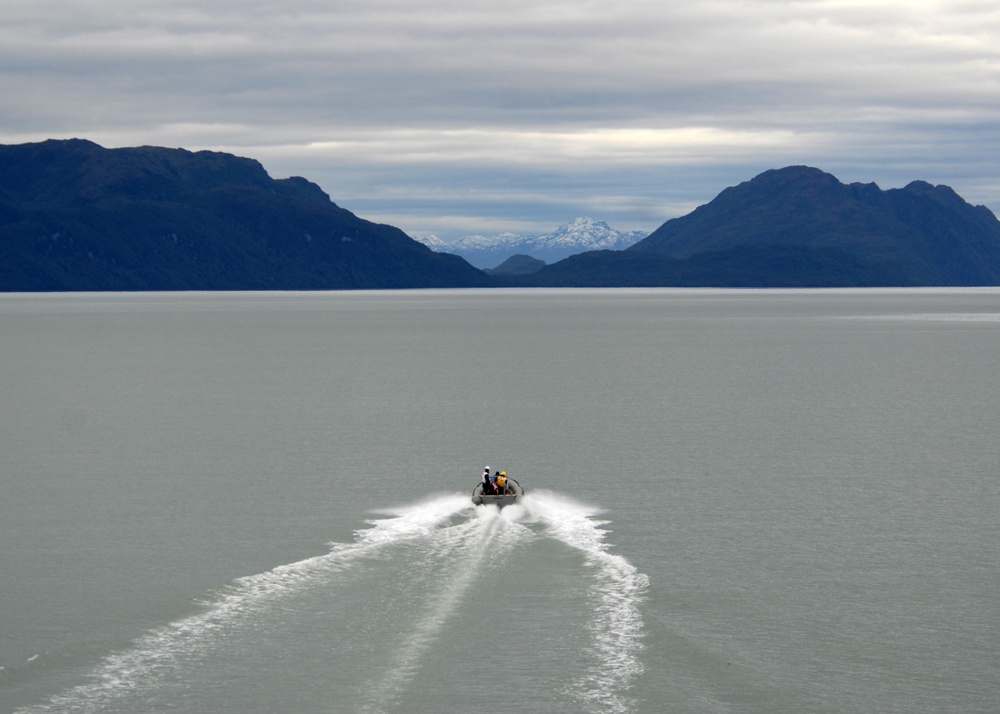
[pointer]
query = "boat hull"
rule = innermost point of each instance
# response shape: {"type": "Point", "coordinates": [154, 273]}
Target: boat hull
{"type": "Point", "coordinates": [514, 495]}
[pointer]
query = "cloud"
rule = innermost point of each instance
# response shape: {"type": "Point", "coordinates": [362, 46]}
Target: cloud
{"type": "Point", "coordinates": [549, 108]}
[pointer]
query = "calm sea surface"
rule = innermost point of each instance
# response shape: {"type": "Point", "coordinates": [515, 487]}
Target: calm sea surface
{"type": "Point", "coordinates": [738, 501]}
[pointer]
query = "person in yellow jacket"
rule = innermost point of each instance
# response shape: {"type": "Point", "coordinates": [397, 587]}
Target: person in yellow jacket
{"type": "Point", "coordinates": [502, 482]}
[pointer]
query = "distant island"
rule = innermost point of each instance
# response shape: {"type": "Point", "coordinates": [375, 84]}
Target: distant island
{"type": "Point", "coordinates": [517, 265]}
{"type": "Point", "coordinates": [76, 216]}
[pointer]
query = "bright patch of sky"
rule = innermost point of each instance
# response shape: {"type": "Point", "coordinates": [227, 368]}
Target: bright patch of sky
{"type": "Point", "coordinates": [461, 116]}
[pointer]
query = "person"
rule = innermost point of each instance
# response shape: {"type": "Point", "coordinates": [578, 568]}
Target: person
{"type": "Point", "coordinates": [502, 483]}
{"type": "Point", "coordinates": [493, 481]}
{"type": "Point", "coordinates": [487, 485]}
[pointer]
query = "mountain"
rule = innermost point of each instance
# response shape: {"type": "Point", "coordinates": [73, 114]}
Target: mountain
{"type": "Point", "coordinates": [582, 234]}
{"type": "Point", "coordinates": [480, 251]}
{"type": "Point", "coordinates": [517, 265]}
{"type": "Point", "coordinates": [799, 226]}
{"type": "Point", "coordinates": [76, 216]}
{"type": "Point", "coordinates": [578, 236]}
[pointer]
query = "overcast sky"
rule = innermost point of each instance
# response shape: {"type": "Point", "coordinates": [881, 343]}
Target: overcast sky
{"type": "Point", "coordinates": [454, 117]}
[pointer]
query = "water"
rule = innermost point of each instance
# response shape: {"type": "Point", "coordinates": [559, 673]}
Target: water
{"type": "Point", "coordinates": [738, 501]}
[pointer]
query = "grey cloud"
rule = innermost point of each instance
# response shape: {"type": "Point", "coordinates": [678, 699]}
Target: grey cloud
{"type": "Point", "coordinates": [630, 108]}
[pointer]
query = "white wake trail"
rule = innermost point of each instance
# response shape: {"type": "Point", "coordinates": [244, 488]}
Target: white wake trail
{"type": "Point", "coordinates": [618, 588]}
{"type": "Point", "coordinates": [143, 666]}
{"type": "Point", "coordinates": [470, 547]}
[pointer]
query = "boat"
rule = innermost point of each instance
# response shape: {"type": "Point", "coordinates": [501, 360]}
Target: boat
{"type": "Point", "coordinates": [514, 494]}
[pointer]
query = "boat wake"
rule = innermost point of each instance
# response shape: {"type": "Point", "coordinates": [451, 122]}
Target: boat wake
{"type": "Point", "coordinates": [618, 589]}
{"type": "Point", "coordinates": [469, 547]}
{"type": "Point", "coordinates": [428, 556]}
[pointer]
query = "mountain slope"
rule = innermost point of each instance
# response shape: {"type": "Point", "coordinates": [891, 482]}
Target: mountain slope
{"type": "Point", "coordinates": [752, 266]}
{"type": "Point", "coordinates": [76, 216]}
{"type": "Point", "coordinates": [917, 235]}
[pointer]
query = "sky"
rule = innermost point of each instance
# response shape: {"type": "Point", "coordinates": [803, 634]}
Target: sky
{"type": "Point", "coordinates": [458, 117]}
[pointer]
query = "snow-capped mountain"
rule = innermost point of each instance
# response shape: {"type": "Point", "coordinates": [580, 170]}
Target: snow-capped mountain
{"type": "Point", "coordinates": [581, 235]}
{"type": "Point", "coordinates": [578, 236]}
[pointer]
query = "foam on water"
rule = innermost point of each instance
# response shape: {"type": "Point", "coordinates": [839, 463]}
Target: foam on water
{"type": "Point", "coordinates": [141, 667]}
{"type": "Point", "coordinates": [472, 547]}
{"type": "Point", "coordinates": [618, 589]}
{"type": "Point", "coordinates": [456, 543]}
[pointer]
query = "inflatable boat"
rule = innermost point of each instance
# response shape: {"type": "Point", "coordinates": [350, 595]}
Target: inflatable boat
{"type": "Point", "coordinates": [513, 495]}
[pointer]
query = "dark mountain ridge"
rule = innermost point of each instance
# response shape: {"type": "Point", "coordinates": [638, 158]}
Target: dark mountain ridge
{"type": "Point", "coordinates": [920, 234]}
{"type": "Point", "coordinates": [76, 216]}
{"type": "Point", "coordinates": [801, 227]}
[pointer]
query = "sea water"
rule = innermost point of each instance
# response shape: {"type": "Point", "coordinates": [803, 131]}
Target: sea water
{"type": "Point", "coordinates": [737, 501]}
